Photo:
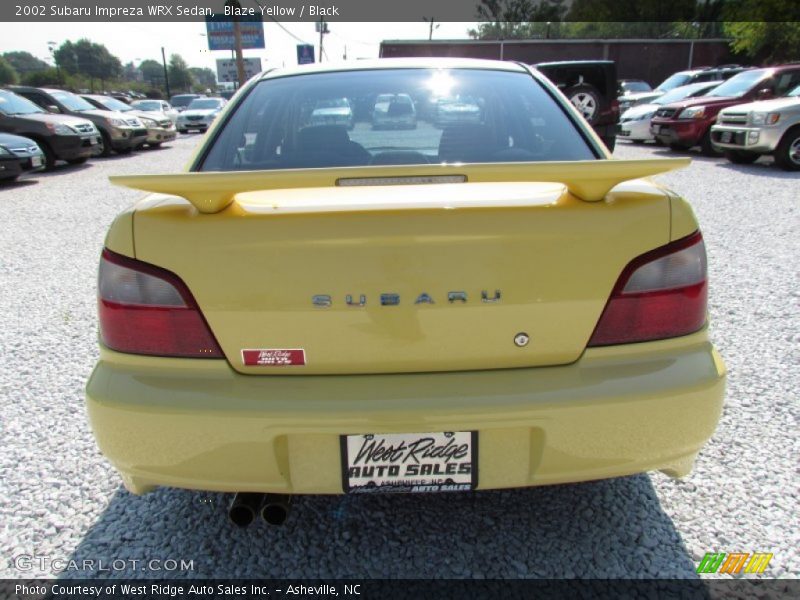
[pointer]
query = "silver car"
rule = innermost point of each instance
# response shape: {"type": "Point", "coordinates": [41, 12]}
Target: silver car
{"type": "Point", "coordinates": [200, 114]}
{"type": "Point", "coordinates": [747, 131]}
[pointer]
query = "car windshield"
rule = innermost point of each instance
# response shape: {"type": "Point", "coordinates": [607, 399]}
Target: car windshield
{"type": "Point", "coordinates": [147, 105]}
{"type": "Point", "coordinates": [740, 84]}
{"type": "Point", "coordinates": [684, 91]}
{"type": "Point", "coordinates": [112, 103]}
{"type": "Point", "coordinates": [11, 104]}
{"type": "Point", "coordinates": [72, 102]}
{"type": "Point", "coordinates": [673, 81]}
{"type": "Point", "coordinates": [181, 101]}
{"type": "Point", "coordinates": [204, 104]}
{"type": "Point", "coordinates": [635, 86]}
{"type": "Point", "coordinates": [510, 118]}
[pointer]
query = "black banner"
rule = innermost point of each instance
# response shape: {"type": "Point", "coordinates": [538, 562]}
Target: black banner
{"type": "Point", "coordinates": [33, 11]}
{"type": "Point", "coordinates": [382, 589]}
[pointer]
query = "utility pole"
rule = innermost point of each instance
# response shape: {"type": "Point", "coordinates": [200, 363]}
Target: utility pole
{"type": "Point", "coordinates": [237, 40]}
{"type": "Point", "coordinates": [322, 27]}
{"type": "Point", "coordinates": [166, 74]}
{"type": "Point", "coordinates": [431, 21]}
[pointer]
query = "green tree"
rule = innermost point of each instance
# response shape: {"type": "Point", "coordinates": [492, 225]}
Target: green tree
{"type": "Point", "coordinates": [86, 58]}
{"type": "Point", "coordinates": [764, 30]}
{"type": "Point", "coordinates": [8, 74]}
{"type": "Point", "coordinates": [205, 77]}
{"type": "Point", "coordinates": [517, 19]}
{"type": "Point", "coordinates": [25, 62]}
{"type": "Point", "coordinates": [180, 78]}
{"type": "Point", "coordinates": [49, 76]}
{"type": "Point", "coordinates": [152, 72]}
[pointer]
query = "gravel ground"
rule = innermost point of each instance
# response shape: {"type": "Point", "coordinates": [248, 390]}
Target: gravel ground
{"type": "Point", "coordinates": [61, 500]}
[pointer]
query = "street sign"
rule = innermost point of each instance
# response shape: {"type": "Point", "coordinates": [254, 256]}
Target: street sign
{"type": "Point", "coordinates": [220, 32]}
{"type": "Point", "coordinates": [305, 54]}
{"type": "Point", "coordinates": [226, 69]}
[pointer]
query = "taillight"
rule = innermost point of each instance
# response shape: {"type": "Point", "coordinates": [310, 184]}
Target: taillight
{"type": "Point", "coordinates": [660, 294]}
{"type": "Point", "coordinates": [147, 310]}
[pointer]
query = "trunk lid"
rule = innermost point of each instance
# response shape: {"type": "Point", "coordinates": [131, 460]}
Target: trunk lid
{"type": "Point", "coordinates": [440, 277]}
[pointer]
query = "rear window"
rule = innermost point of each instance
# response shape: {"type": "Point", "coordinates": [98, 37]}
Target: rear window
{"type": "Point", "coordinates": [460, 115]}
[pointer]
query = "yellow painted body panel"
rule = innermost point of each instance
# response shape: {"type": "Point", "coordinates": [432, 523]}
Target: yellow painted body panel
{"type": "Point", "coordinates": [254, 270]}
{"type": "Point", "coordinates": [197, 424]}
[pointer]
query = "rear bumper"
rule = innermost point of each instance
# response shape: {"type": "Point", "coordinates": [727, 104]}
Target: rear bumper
{"type": "Point", "coordinates": [197, 424]}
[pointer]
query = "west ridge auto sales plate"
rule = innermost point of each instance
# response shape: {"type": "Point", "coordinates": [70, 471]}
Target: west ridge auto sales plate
{"type": "Point", "coordinates": [444, 461]}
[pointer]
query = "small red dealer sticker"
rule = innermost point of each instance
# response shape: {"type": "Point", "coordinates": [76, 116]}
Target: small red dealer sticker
{"type": "Point", "coordinates": [274, 357]}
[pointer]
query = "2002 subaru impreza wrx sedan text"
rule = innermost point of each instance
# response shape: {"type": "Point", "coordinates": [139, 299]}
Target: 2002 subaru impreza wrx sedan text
{"type": "Point", "coordinates": [316, 308]}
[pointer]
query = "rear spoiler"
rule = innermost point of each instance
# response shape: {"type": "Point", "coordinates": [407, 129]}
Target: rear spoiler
{"type": "Point", "coordinates": [212, 192]}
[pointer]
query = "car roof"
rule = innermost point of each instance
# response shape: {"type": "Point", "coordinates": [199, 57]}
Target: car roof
{"type": "Point", "coordinates": [423, 62]}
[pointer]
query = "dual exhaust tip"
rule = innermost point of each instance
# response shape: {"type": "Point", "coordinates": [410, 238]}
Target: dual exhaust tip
{"type": "Point", "coordinates": [273, 508]}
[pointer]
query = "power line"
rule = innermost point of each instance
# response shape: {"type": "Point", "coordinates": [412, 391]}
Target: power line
{"type": "Point", "coordinates": [279, 24]}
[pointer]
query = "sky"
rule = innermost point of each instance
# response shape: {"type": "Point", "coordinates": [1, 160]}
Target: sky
{"type": "Point", "coordinates": [140, 41]}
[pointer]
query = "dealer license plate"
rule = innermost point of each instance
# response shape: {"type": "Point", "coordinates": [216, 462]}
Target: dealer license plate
{"type": "Point", "coordinates": [410, 462]}
{"type": "Point", "coordinates": [725, 137]}
{"type": "Point", "coordinates": [36, 161]}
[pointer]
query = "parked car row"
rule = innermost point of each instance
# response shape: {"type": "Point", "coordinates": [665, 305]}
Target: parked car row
{"type": "Point", "coordinates": [46, 125]}
{"type": "Point", "coordinates": [753, 113]}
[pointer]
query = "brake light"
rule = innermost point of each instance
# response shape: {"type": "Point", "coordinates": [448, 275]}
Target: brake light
{"type": "Point", "coordinates": [144, 309]}
{"type": "Point", "coordinates": [660, 294]}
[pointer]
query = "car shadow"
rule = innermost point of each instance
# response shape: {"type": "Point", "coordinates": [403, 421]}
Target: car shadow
{"type": "Point", "coordinates": [605, 529]}
{"type": "Point", "coordinates": [765, 165]}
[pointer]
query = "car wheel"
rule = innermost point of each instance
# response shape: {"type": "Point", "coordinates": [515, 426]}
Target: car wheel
{"type": "Point", "coordinates": [678, 148]}
{"type": "Point", "coordinates": [586, 99]}
{"type": "Point", "coordinates": [125, 150]}
{"type": "Point", "coordinates": [11, 179]}
{"type": "Point", "coordinates": [740, 157]}
{"type": "Point", "coordinates": [106, 144]}
{"type": "Point", "coordinates": [156, 145]}
{"type": "Point", "coordinates": [49, 156]}
{"type": "Point", "coordinates": [183, 131]}
{"type": "Point", "coordinates": [78, 161]}
{"type": "Point", "coordinates": [787, 155]}
{"type": "Point", "coordinates": [638, 142]}
{"type": "Point", "coordinates": [707, 148]}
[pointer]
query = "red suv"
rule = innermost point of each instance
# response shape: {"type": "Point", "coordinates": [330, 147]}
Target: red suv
{"type": "Point", "coordinates": [686, 124]}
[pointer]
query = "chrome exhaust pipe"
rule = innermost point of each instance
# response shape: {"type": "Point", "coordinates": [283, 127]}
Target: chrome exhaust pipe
{"type": "Point", "coordinates": [275, 508]}
{"type": "Point", "coordinates": [244, 507]}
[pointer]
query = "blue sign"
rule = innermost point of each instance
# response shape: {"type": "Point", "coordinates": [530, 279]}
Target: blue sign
{"type": "Point", "coordinates": [220, 32]}
{"type": "Point", "coordinates": [305, 54]}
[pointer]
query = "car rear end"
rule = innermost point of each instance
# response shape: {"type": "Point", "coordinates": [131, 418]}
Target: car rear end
{"type": "Point", "coordinates": [381, 323]}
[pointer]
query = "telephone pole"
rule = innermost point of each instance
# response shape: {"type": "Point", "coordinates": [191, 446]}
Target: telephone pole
{"type": "Point", "coordinates": [322, 27]}
{"type": "Point", "coordinates": [166, 74]}
{"type": "Point", "coordinates": [237, 40]}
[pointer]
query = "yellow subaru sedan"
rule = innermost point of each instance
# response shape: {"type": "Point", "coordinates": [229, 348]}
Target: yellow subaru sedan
{"type": "Point", "coordinates": [320, 307]}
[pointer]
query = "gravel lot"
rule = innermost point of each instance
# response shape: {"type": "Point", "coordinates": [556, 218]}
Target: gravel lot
{"type": "Point", "coordinates": [61, 500]}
